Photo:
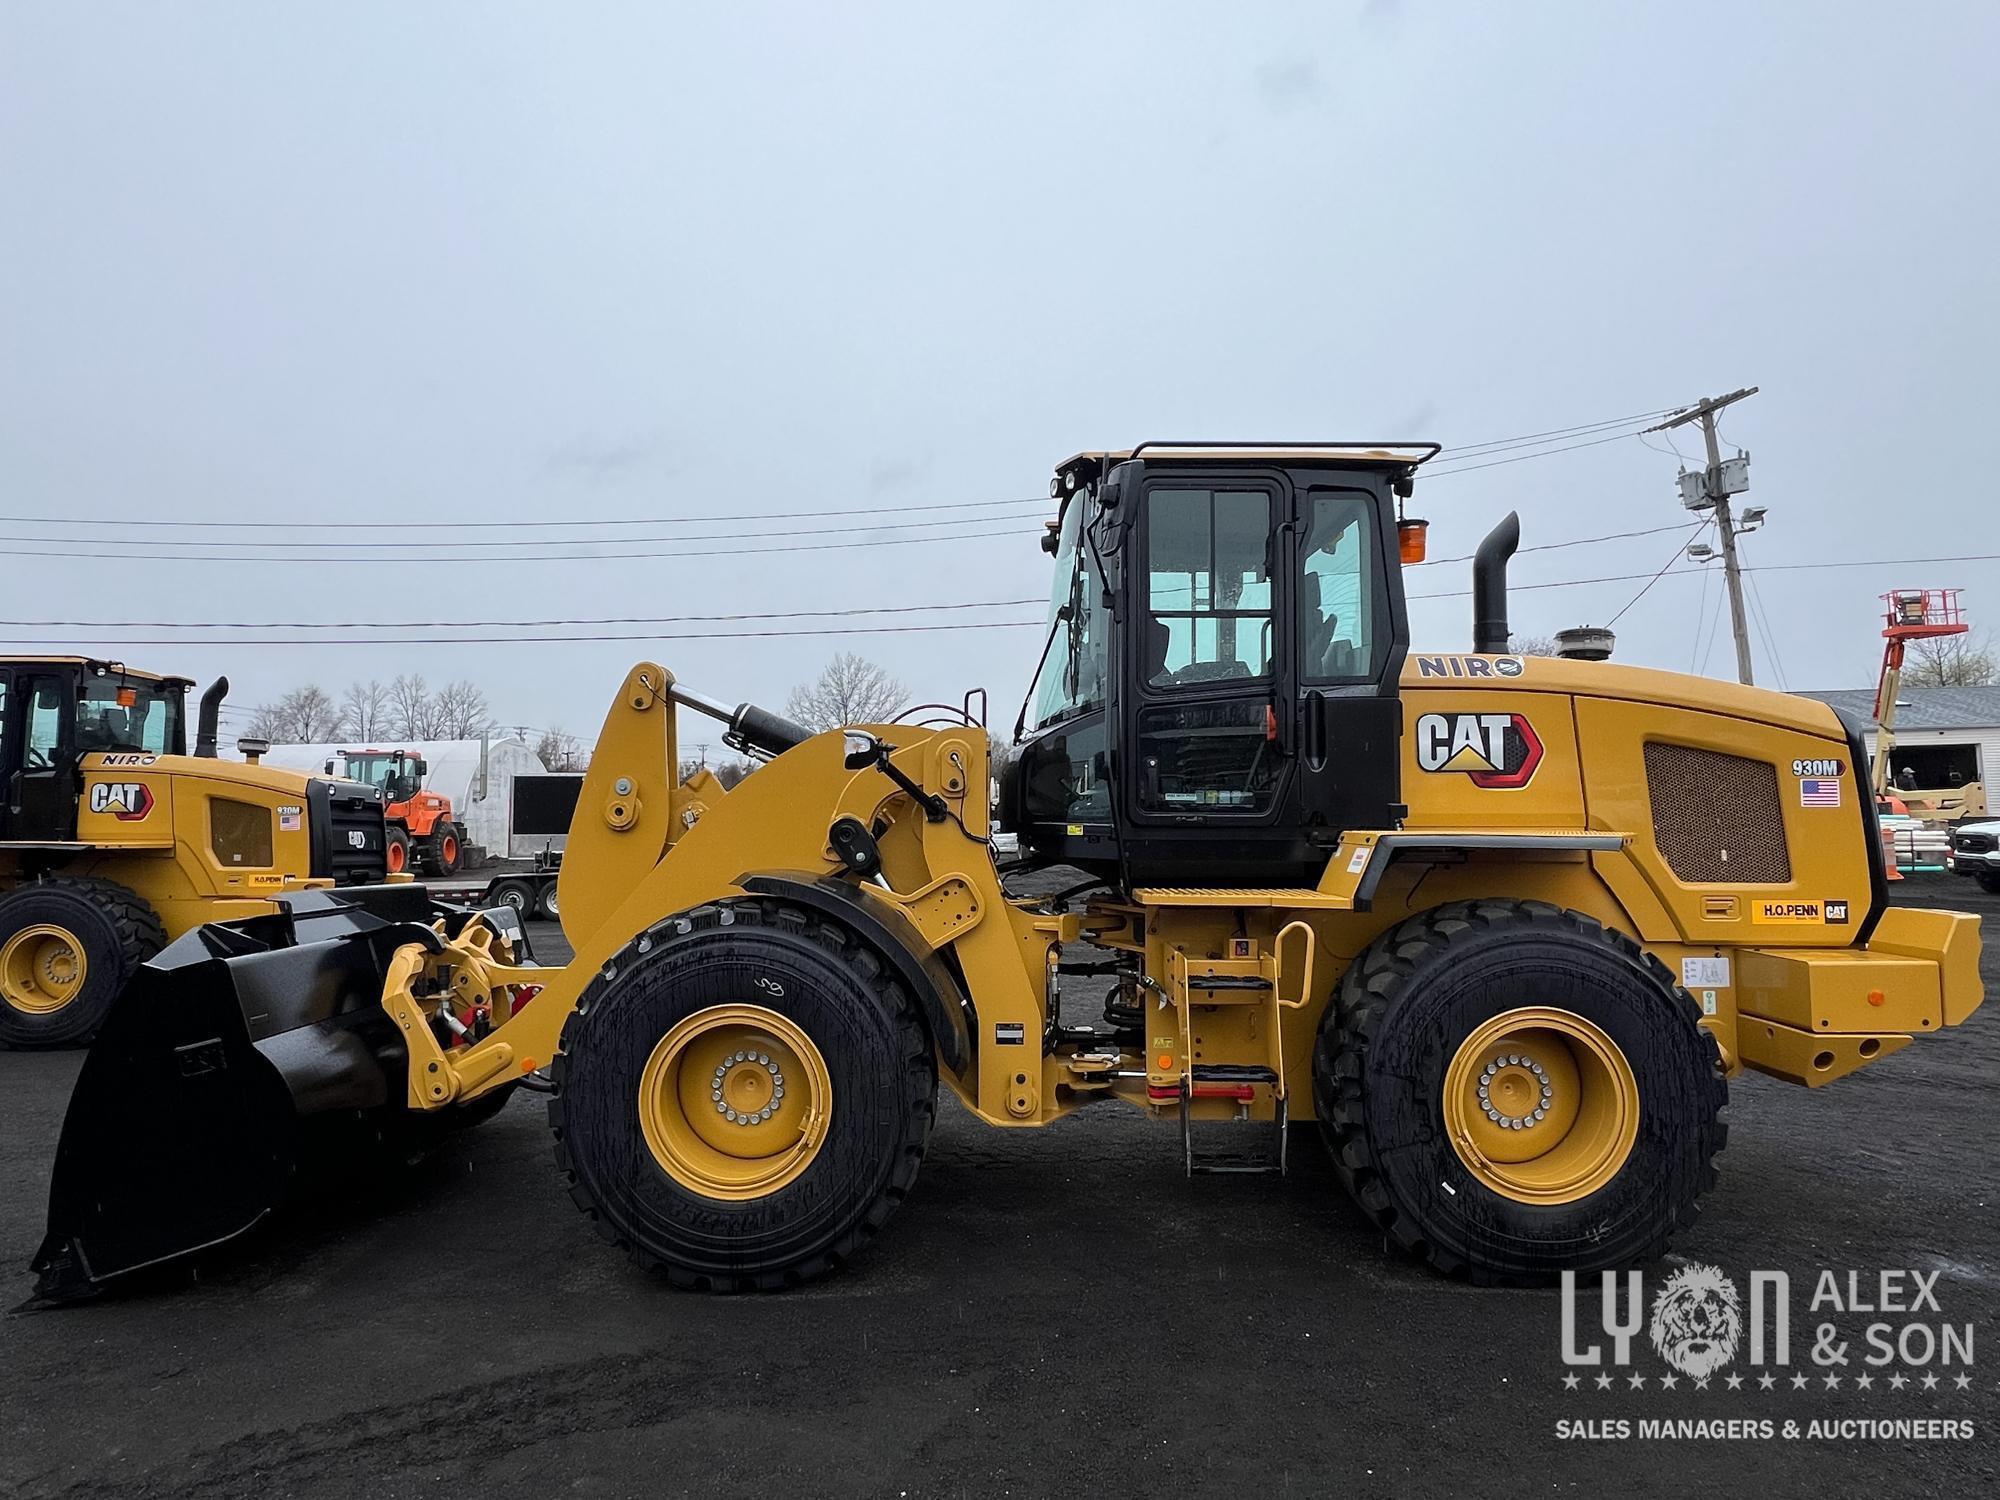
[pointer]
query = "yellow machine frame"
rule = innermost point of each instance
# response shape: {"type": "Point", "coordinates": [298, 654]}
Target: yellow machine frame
{"type": "Point", "coordinates": [1789, 998]}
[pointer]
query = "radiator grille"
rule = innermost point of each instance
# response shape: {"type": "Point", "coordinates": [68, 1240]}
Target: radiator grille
{"type": "Point", "coordinates": [1717, 817]}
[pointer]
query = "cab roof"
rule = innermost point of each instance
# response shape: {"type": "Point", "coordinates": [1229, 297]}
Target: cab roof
{"type": "Point", "coordinates": [95, 666]}
{"type": "Point", "coordinates": [1082, 468]}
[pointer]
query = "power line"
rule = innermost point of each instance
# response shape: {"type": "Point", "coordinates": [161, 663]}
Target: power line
{"type": "Point", "coordinates": [532, 640]}
{"type": "Point", "coordinates": [775, 515]}
{"type": "Point", "coordinates": [1521, 458]}
{"type": "Point", "coordinates": [596, 557]}
{"type": "Point", "coordinates": [1876, 562]}
{"type": "Point", "coordinates": [1700, 621]}
{"type": "Point", "coordinates": [1679, 551]}
{"type": "Point", "coordinates": [1473, 450]}
{"type": "Point", "coordinates": [1559, 583]}
{"type": "Point", "coordinates": [1714, 627]}
{"type": "Point", "coordinates": [402, 546]}
{"type": "Point", "coordinates": [1582, 541]}
{"type": "Point", "coordinates": [1770, 635]}
{"type": "Point", "coordinates": [675, 619]}
{"type": "Point", "coordinates": [792, 614]}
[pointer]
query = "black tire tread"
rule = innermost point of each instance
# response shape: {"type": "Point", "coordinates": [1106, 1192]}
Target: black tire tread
{"type": "Point", "coordinates": [140, 933]}
{"type": "Point", "coordinates": [920, 1089]}
{"type": "Point", "coordinates": [1372, 985]}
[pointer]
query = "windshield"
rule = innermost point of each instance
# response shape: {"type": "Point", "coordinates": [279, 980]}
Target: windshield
{"type": "Point", "coordinates": [372, 769]}
{"type": "Point", "coordinates": [395, 774]}
{"type": "Point", "coordinates": [150, 722]}
{"type": "Point", "coordinates": [1072, 678]}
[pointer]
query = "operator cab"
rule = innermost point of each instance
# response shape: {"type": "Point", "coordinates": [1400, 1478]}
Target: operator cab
{"type": "Point", "coordinates": [398, 773]}
{"type": "Point", "coordinates": [1226, 633]}
{"type": "Point", "coordinates": [56, 709]}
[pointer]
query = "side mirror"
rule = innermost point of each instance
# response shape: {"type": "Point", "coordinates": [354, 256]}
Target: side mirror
{"type": "Point", "coordinates": [863, 750]}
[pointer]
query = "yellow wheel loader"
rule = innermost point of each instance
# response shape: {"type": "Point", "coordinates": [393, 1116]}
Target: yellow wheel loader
{"type": "Point", "coordinates": [113, 839]}
{"type": "Point", "coordinates": [1501, 926]}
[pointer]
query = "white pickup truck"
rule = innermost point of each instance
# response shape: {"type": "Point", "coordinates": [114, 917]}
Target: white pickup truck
{"type": "Point", "coordinates": [1975, 851]}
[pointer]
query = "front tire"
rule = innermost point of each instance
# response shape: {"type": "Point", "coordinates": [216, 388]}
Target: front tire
{"type": "Point", "coordinates": [396, 850]}
{"type": "Point", "coordinates": [67, 948]}
{"type": "Point", "coordinates": [743, 1097]}
{"type": "Point", "coordinates": [1511, 1090]}
{"type": "Point", "coordinates": [1989, 881]}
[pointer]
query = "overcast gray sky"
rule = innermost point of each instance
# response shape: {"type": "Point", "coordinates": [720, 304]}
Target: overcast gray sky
{"type": "Point", "coordinates": [368, 263]}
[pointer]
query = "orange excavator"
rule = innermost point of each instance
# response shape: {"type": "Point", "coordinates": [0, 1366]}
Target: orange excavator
{"type": "Point", "coordinates": [421, 825]}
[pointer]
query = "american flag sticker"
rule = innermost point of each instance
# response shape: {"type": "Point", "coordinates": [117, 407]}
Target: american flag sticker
{"type": "Point", "coordinates": [1819, 791]}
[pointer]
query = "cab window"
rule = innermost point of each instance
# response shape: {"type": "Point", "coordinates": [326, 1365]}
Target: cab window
{"type": "Point", "coordinates": [1072, 678]}
{"type": "Point", "coordinates": [145, 719]}
{"type": "Point", "coordinates": [1208, 591]}
{"type": "Point", "coordinates": [1338, 590]}
{"type": "Point", "coordinates": [42, 742]}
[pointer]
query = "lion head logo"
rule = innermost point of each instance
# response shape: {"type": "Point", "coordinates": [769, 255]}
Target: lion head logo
{"type": "Point", "coordinates": [1697, 1320]}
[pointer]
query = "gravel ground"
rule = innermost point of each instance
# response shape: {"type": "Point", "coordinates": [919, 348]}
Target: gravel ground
{"type": "Point", "coordinates": [1051, 1310]}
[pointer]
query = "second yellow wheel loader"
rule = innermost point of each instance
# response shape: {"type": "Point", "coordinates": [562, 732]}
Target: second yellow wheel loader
{"type": "Point", "coordinates": [1501, 926]}
{"type": "Point", "coordinates": [114, 839]}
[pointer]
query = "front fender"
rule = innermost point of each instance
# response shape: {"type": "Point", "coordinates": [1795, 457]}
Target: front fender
{"type": "Point", "coordinates": [948, 1012]}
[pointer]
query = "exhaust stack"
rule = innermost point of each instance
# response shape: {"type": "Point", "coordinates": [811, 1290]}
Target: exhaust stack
{"type": "Point", "coordinates": [1490, 632]}
{"type": "Point", "coordinates": [211, 714]}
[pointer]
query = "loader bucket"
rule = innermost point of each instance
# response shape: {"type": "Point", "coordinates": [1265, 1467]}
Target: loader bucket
{"type": "Point", "coordinates": [229, 1057]}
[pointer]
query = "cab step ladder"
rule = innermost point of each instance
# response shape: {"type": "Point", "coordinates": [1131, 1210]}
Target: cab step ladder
{"type": "Point", "coordinates": [1247, 978]}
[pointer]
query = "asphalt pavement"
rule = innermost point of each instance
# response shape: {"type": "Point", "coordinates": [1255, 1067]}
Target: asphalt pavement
{"type": "Point", "coordinates": [1051, 1311]}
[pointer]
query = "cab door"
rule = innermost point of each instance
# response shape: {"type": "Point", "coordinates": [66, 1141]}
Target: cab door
{"type": "Point", "coordinates": [1207, 759]}
{"type": "Point", "coordinates": [1351, 640]}
{"type": "Point", "coordinates": [38, 757]}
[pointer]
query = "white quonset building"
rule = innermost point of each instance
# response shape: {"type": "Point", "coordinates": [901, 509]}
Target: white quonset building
{"type": "Point", "coordinates": [1947, 736]}
{"type": "Point", "coordinates": [478, 776]}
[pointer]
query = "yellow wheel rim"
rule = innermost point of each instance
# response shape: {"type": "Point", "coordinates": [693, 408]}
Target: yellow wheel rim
{"type": "Point", "coordinates": [734, 1102]}
{"type": "Point", "coordinates": [1541, 1106]}
{"type": "Point", "coordinates": [42, 969]}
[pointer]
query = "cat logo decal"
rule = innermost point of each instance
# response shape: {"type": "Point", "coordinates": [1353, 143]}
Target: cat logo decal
{"type": "Point", "coordinates": [128, 801]}
{"type": "Point", "coordinates": [1496, 751]}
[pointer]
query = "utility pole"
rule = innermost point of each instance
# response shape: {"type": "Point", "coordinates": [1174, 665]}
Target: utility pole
{"type": "Point", "coordinates": [1710, 490]}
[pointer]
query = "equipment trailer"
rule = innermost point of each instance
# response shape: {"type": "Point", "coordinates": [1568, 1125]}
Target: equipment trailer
{"type": "Point", "coordinates": [1501, 926]}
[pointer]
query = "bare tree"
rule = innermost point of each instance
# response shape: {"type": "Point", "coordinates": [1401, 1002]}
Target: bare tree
{"type": "Point", "coordinates": [730, 772]}
{"type": "Point", "coordinates": [364, 711]}
{"type": "Point", "coordinates": [558, 751]}
{"type": "Point", "coordinates": [412, 710]}
{"type": "Point", "coordinates": [1531, 645]}
{"type": "Point", "coordinates": [304, 716]}
{"type": "Point", "coordinates": [852, 690]}
{"type": "Point", "coordinates": [1951, 661]}
{"type": "Point", "coordinates": [459, 712]}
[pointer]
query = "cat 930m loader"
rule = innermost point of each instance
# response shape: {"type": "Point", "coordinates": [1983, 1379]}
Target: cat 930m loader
{"type": "Point", "coordinates": [114, 839]}
{"type": "Point", "coordinates": [1501, 926]}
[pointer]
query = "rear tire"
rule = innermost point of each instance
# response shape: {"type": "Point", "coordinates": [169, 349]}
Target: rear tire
{"type": "Point", "coordinates": [67, 948]}
{"type": "Point", "coordinates": [1467, 998]}
{"type": "Point", "coordinates": [547, 907]}
{"type": "Point", "coordinates": [444, 852]}
{"type": "Point", "coordinates": [396, 851]}
{"type": "Point", "coordinates": [856, 1060]}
